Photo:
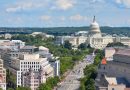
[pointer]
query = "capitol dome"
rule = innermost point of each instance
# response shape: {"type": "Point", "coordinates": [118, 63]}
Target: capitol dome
{"type": "Point", "coordinates": [94, 26]}
{"type": "Point", "coordinates": [95, 29]}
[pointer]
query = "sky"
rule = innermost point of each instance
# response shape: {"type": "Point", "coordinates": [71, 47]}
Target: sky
{"type": "Point", "coordinates": [64, 13]}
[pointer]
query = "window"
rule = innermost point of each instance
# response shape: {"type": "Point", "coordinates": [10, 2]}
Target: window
{"type": "Point", "coordinates": [104, 68]}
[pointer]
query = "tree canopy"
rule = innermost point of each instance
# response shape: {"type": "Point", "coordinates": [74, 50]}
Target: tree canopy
{"type": "Point", "coordinates": [116, 44]}
{"type": "Point", "coordinates": [82, 46]}
{"type": "Point", "coordinates": [67, 45]}
{"type": "Point", "coordinates": [23, 88]}
{"type": "Point", "coordinates": [50, 83]}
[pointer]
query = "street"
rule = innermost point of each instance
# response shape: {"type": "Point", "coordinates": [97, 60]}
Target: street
{"type": "Point", "coordinates": [72, 80]}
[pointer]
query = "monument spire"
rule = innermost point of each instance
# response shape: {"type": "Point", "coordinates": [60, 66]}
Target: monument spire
{"type": "Point", "coordinates": [94, 19]}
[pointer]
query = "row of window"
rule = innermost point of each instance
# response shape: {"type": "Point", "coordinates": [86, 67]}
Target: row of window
{"type": "Point", "coordinates": [28, 66]}
{"type": "Point", "coordinates": [28, 69]}
{"type": "Point", "coordinates": [110, 68]}
{"type": "Point", "coordinates": [29, 62]}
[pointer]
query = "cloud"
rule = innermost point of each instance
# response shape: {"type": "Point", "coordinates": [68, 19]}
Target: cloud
{"type": "Point", "coordinates": [78, 17]}
{"type": "Point", "coordinates": [62, 18]}
{"type": "Point", "coordinates": [45, 18]}
{"type": "Point", "coordinates": [42, 4]}
{"type": "Point", "coordinates": [125, 3]}
{"type": "Point", "coordinates": [118, 1]}
{"type": "Point", "coordinates": [21, 6]}
{"type": "Point", "coordinates": [128, 22]}
{"type": "Point", "coordinates": [13, 9]}
{"type": "Point", "coordinates": [15, 20]}
{"type": "Point", "coordinates": [64, 4]}
{"type": "Point", "coordinates": [95, 1]}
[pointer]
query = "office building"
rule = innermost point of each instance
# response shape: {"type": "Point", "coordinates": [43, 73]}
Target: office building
{"type": "Point", "coordinates": [114, 73]}
{"type": "Point", "coordinates": [2, 76]}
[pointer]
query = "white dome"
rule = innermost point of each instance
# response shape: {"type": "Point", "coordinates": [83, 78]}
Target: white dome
{"type": "Point", "coordinates": [95, 29]}
{"type": "Point", "coordinates": [94, 24]}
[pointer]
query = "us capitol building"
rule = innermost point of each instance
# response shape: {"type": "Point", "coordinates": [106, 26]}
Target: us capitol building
{"type": "Point", "coordinates": [94, 37]}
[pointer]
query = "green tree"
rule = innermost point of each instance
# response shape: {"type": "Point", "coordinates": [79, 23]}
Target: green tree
{"type": "Point", "coordinates": [82, 85]}
{"type": "Point", "coordinates": [11, 80]}
{"type": "Point", "coordinates": [76, 58]}
{"type": "Point", "coordinates": [82, 46]}
{"type": "Point", "coordinates": [10, 89]}
{"type": "Point", "coordinates": [50, 83]}
{"type": "Point", "coordinates": [23, 88]}
{"type": "Point", "coordinates": [116, 44]}
{"type": "Point", "coordinates": [97, 59]}
{"type": "Point", "coordinates": [67, 45]}
{"type": "Point", "coordinates": [89, 46]}
{"type": "Point", "coordinates": [44, 87]}
{"type": "Point", "coordinates": [65, 64]}
{"type": "Point", "coordinates": [90, 84]}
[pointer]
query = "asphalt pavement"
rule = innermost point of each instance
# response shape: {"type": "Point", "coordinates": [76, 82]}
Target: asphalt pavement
{"type": "Point", "coordinates": [72, 80]}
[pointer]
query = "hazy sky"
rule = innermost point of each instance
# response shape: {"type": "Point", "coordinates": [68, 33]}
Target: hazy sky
{"type": "Point", "coordinates": [58, 13]}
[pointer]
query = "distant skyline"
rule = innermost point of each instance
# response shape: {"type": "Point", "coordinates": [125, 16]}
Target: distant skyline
{"type": "Point", "coordinates": [64, 13]}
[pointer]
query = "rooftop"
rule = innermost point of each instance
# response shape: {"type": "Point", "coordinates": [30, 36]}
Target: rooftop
{"type": "Point", "coordinates": [28, 47]}
{"type": "Point", "coordinates": [127, 88]}
{"type": "Point", "coordinates": [123, 52]}
{"type": "Point", "coordinates": [43, 48]}
{"type": "Point", "coordinates": [116, 80]}
{"type": "Point", "coordinates": [109, 48]}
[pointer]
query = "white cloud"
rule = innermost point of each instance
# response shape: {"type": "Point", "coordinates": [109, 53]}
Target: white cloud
{"type": "Point", "coordinates": [32, 4]}
{"type": "Point", "coordinates": [45, 18]}
{"type": "Point", "coordinates": [20, 6]}
{"type": "Point", "coordinates": [126, 3]}
{"type": "Point", "coordinates": [13, 9]}
{"type": "Point", "coordinates": [94, 1]}
{"type": "Point", "coordinates": [15, 20]}
{"type": "Point", "coordinates": [64, 4]}
{"type": "Point", "coordinates": [78, 17]}
{"type": "Point", "coordinates": [62, 18]}
{"type": "Point", "coordinates": [128, 21]}
{"type": "Point", "coordinates": [118, 1]}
